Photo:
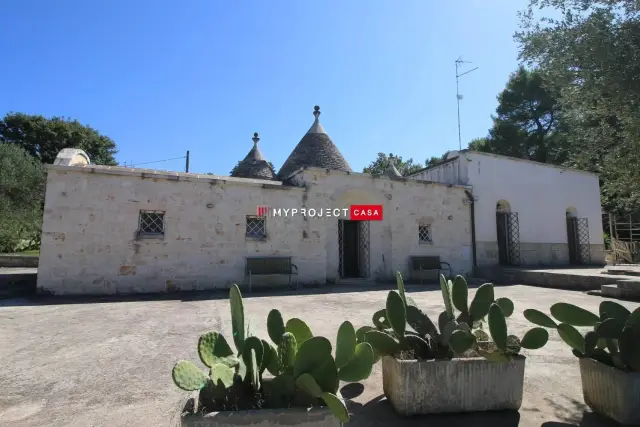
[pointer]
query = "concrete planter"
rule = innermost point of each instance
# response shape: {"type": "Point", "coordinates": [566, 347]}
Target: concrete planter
{"type": "Point", "coordinates": [460, 385]}
{"type": "Point", "coordinates": [297, 416]}
{"type": "Point", "coordinates": [610, 391]}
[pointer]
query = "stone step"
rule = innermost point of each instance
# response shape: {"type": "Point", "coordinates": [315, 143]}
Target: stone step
{"type": "Point", "coordinates": [615, 291]}
{"type": "Point", "coordinates": [620, 271]}
{"type": "Point", "coordinates": [630, 285]}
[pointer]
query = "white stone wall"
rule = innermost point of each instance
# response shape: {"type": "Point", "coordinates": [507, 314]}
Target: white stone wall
{"type": "Point", "coordinates": [90, 243]}
{"type": "Point", "coordinates": [539, 193]}
{"type": "Point", "coordinates": [407, 204]}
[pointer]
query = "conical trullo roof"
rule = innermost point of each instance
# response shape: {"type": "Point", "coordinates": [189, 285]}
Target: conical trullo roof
{"type": "Point", "coordinates": [392, 171]}
{"type": "Point", "coordinates": [254, 165]}
{"type": "Point", "coordinates": [315, 149]}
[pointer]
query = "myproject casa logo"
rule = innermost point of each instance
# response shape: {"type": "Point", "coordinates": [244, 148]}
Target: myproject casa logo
{"type": "Point", "coordinates": [353, 212]}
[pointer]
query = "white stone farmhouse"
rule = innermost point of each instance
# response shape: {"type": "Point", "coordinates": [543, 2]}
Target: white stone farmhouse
{"type": "Point", "coordinates": [109, 229]}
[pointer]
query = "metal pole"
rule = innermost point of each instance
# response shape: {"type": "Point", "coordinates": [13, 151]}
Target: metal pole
{"type": "Point", "coordinates": [458, 99]}
{"type": "Point", "coordinates": [186, 167]}
{"type": "Point", "coordinates": [459, 63]}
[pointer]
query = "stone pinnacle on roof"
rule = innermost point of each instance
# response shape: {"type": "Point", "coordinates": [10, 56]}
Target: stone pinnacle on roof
{"type": "Point", "coordinates": [254, 164]}
{"type": "Point", "coordinates": [315, 149]}
{"type": "Point", "coordinates": [392, 171]}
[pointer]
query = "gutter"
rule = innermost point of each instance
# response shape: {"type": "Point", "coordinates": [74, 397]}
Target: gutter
{"type": "Point", "coordinates": [472, 213]}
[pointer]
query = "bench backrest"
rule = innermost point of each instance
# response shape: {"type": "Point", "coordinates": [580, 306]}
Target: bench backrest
{"type": "Point", "coordinates": [425, 262]}
{"type": "Point", "coordinates": [269, 265]}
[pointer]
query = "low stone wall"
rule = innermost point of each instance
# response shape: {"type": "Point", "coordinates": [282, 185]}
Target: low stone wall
{"type": "Point", "coordinates": [16, 260]}
{"type": "Point", "coordinates": [558, 278]}
{"type": "Point", "coordinates": [538, 254]}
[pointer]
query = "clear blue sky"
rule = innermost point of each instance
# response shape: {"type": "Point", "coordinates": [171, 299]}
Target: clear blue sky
{"type": "Point", "coordinates": [164, 77]}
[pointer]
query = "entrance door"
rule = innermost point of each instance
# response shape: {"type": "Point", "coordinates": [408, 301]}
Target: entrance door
{"type": "Point", "coordinates": [503, 238]}
{"type": "Point", "coordinates": [349, 249]}
{"type": "Point", "coordinates": [573, 241]}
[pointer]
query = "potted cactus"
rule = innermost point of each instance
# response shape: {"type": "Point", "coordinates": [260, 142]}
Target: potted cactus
{"type": "Point", "coordinates": [609, 354]}
{"type": "Point", "coordinates": [302, 387]}
{"type": "Point", "coordinates": [455, 366]}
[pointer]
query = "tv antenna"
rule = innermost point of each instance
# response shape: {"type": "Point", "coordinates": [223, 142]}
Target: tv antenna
{"type": "Point", "coordinates": [459, 63]}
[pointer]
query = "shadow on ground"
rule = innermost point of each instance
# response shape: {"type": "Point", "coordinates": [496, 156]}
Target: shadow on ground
{"type": "Point", "coordinates": [378, 412]}
{"type": "Point", "coordinates": [188, 296]}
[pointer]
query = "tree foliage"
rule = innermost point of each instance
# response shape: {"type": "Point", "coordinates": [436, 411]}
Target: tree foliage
{"type": "Point", "coordinates": [22, 184]}
{"type": "Point", "coordinates": [590, 57]}
{"type": "Point", "coordinates": [527, 121]}
{"type": "Point", "coordinates": [43, 138]}
{"type": "Point", "coordinates": [381, 163]}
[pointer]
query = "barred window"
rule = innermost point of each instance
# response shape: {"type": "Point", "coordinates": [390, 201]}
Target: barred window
{"type": "Point", "coordinates": [256, 227]}
{"type": "Point", "coordinates": [151, 223]}
{"type": "Point", "coordinates": [424, 234]}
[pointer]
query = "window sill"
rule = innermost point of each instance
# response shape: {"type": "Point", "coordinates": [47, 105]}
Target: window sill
{"type": "Point", "coordinates": [150, 237]}
{"type": "Point", "coordinates": [426, 243]}
{"type": "Point", "coordinates": [256, 239]}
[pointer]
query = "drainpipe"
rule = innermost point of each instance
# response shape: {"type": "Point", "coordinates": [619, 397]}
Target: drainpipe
{"type": "Point", "coordinates": [472, 212]}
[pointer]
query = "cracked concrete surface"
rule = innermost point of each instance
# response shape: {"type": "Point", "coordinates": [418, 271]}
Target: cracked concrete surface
{"type": "Point", "coordinates": [107, 362]}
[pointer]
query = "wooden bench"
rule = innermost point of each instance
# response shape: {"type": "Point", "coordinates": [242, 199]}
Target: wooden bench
{"type": "Point", "coordinates": [429, 263]}
{"type": "Point", "coordinates": [262, 266]}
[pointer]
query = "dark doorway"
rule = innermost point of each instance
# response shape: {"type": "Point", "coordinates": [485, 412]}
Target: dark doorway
{"type": "Point", "coordinates": [572, 240]}
{"type": "Point", "coordinates": [503, 238]}
{"type": "Point", "coordinates": [349, 249]}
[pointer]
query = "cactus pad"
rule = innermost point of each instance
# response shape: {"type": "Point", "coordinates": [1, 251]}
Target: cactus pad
{"type": "Point", "coordinates": [188, 376]}
{"type": "Point", "coordinates": [513, 344]}
{"type": "Point", "coordinates": [613, 310]}
{"type": "Point", "coordinates": [213, 348]}
{"type": "Point", "coordinates": [420, 322]}
{"type": "Point", "coordinates": [460, 294]}
{"type": "Point", "coordinates": [497, 326]}
{"type": "Point", "coordinates": [535, 338]}
{"type": "Point", "coordinates": [590, 342]}
{"type": "Point", "coordinates": [446, 297]}
{"type": "Point", "coordinates": [400, 284]}
{"type": "Point", "coordinates": [287, 351]}
{"type": "Point", "coordinates": [275, 326]}
{"type": "Point", "coordinates": [221, 375]}
{"type": "Point", "coordinates": [237, 317]}
{"type": "Point", "coordinates": [307, 384]}
{"type": "Point", "coordinates": [362, 331]}
{"type": "Point", "coordinates": [325, 373]}
{"type": "Point", "coordinates": [461, 341]}
{"type": "Point", "coordinates": [359, 366]}
{"type": "Point", "coordinates": [299, 329]}
{"type": "Point", "coordinates": [481, 302]}
{"type": "Point", "coordinates": [255, 344]}
{"type": "Point", "coordinates": [380, 319]}
{"type": "Point", "coordinates": [573, 315]}
{"type": "Point", "coordinates": [310, 353]}
{"type": "Point", "coordinates": [382, 342]}
{"type": "Point", "coordinates": [506, 305]}
{"type": "Point", "coordinates": [609, 328]}
{"type": "Point", "coordinates": [571, 336]}
{"type": "Point", "coordinates": [345, 344]}
{"type": "Point", "coordinates": [630, 347]}
{"type": "Point", "coordinates": [396, 313]}
{"type": "Point", "coordinates": [539, 318]}
{"type": "Point", "coordinates": [337, 406]}
{"type": "Point", "coordinates": [481, 335]}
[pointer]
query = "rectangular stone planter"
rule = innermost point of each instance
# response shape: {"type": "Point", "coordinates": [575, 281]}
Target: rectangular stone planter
{"type": "Point", "coordinates": [610, 391]}
{"type": "Point", "coordinates": [459, 385]}
{"type": "Point", "coordinates": [300, 417]}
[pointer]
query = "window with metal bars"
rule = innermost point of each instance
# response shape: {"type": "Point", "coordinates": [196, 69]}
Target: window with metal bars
{"type": "Point", "coordinates": [424, 234]}
{"type": "Point", "coordinates": [151, 224]}
{"type": "Point", "coordinates": [256, 227]}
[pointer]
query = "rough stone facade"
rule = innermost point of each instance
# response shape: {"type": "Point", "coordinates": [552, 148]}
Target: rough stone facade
{"type": "Point", "coordinates": [91, 244]}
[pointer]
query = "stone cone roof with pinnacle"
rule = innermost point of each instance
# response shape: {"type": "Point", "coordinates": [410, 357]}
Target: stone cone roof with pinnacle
{"type": "Point", "coordinates": [392, 171]}
{"type": "Point", "coordinates": [254, 165]}
{"type": "Point", "coordinates": [315, 149]}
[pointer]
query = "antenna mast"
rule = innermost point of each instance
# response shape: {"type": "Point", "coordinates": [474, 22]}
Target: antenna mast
{"type": "Point", "coordinates": [459, 63]}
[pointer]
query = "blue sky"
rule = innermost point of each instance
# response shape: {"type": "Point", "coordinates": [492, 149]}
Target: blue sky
{"type": "Point", "coordinates": [163, 77]}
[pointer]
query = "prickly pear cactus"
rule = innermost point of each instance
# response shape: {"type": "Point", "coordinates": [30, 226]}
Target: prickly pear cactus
{"type": "Point", "coordinates": [458, 332]}
{"type": "Point", "coordinates": [302, 364]}
{"type": "Point", "coordinates": [614, 339]}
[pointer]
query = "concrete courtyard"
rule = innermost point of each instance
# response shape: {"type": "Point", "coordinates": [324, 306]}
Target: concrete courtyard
{"type": "Point", "coordinates": [72, 362]}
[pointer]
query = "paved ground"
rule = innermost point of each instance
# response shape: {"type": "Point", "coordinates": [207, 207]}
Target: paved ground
{"type": "Point", "coordinates": [105, 363]}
